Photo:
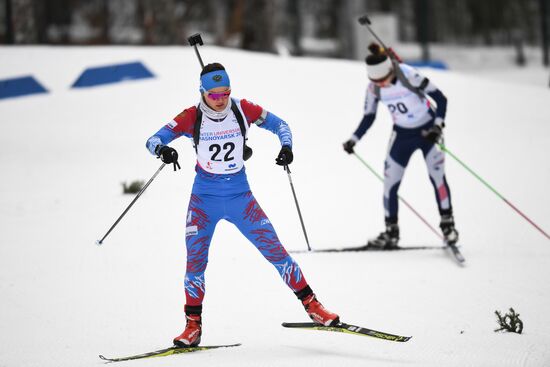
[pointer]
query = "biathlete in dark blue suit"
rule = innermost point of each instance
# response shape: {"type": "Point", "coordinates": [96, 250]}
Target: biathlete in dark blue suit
{"type": "Point", "coordinates": [416, 125]}
{"type": "Point", "coordinates": [218, 125]}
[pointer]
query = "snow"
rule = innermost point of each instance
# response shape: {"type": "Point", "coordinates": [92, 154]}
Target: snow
{"type": "Point", "coordinates": [65, 300]}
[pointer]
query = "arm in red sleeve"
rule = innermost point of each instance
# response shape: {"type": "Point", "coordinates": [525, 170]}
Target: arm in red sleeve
{"type": "Point", "coordinates": [182, 125]}
{"type": "Point", "coordinates": [254, 114]}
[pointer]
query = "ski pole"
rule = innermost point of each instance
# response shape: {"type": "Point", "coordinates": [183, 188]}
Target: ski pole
{"type": "Point", "coordinates": [400, 198]}
{"type": "Point", "coordinates": [100, 242]}
{"type": "Point", "coordinates": [364, 20]}
{"type": "Point", "coordinates": [193, 40]}
{"type": "Point", "coordinates": [444, 148]}
{"type": "Point", "coordinates": [297, 206]}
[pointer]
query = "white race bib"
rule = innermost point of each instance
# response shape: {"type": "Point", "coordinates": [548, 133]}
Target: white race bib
{"type": "Point", "coordinates": [220, 148]}
{"type": "Point", "coordinates": [407, 110]}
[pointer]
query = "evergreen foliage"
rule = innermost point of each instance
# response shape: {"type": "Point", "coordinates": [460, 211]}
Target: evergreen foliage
{"type": "Point", "coordinates": [133, 188]}
{"type": "Point", "coordinates": [509, 322]}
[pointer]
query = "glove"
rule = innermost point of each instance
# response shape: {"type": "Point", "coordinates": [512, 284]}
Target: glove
{"type": "Point", "coordinates": [247, 152]}
{"type": "Point", "coordinates": [348, 146]}
{"type": "Point", "coordinates": [285, 156]}
{"type": "Point", "coordinates": [433, 134]}
{"type": "Point", "coordinates": [169, 155]}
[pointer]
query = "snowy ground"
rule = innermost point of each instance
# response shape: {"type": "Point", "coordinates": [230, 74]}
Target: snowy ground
{"type": "Point", "coordinates": [64, 155]}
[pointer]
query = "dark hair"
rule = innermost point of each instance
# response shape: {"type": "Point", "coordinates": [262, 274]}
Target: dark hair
{"type": "Point", "coordinates": [375, 59]}
{"type": "Point", "coordinates": [377, 54]}
{"type": "Point", "coordinates": [212, 67]}
{"type": "Point", "coordinates": [375, 48]}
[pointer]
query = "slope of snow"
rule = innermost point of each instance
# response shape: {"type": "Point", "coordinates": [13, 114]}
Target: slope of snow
{"type": "Point", "coordinates": [64, 155]}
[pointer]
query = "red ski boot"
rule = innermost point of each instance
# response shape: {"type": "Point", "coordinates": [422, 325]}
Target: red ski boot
{"type": "Point", "coordinates": [191, 336]}
{"type": "Point", "coordinates": [318, 313]}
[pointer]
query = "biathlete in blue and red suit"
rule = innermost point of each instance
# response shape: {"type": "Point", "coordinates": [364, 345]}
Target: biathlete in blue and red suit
{"type": "Point", "coordinates": [221, 190]}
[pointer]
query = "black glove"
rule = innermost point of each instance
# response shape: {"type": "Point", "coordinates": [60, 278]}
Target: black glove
{"type": "Point", "coordinates": [169, 155]}
{"type": "Point", "coordinates": [247, 152]}
{"type": "Point", "coordinates": [285, 156]}
{"type": "Point", "coordinates": [433, 134]}
{"type": "Point", "coordinates": [348, 146]}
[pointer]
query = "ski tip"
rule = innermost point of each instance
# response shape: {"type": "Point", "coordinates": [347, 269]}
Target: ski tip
{"type": "Point", "coordinates": [298, 324]}
{"type": "Point", "coordinates": [199, 347]}
{"type": "Point", "coordinates": [231, 345]}
{"type": "Point", "coordinates": [107, 360]}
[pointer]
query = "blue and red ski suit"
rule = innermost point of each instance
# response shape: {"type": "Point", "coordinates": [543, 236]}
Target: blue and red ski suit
{"type": "Point", "coordinates": [217, 196]}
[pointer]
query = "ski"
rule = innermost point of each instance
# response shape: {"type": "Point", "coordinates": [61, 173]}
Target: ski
{"type": "Point", "coordinates": [167, 352]}
{"type": "Point", "coordinates": [369, 248]}
{"type": "Point", "coordinates": [455, 252]}
{"type": "Point", "coordinates": [348, 329]}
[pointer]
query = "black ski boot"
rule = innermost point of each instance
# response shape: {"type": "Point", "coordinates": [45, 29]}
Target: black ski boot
{"type": "Point", "coordinates": [447, 226]}
{"type": "Point", "coordinates": [388, 239]}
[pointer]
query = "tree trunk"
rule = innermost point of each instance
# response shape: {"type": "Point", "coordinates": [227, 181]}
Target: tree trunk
{"type": "Point", "coordinates": [161, 25]}
{"type": "Point", "coordinates": [24, 27]}
{"type": "Point", "coordinates": [349, 11]}
{"type": "Point", "coordinates": [105, 22]}
{"type": "Point", "coordinates": [295, 26]}
{"type": "Point", "coordinates": [423, 27]}
{"type": "Point", "coordinates": [219, 19]}
{"type": "Point", "coordinates": [544, 15]}
{"type": "Point", "coordinates": [10, 38]}
{"type": "Point", "coordinates": [258, 32]}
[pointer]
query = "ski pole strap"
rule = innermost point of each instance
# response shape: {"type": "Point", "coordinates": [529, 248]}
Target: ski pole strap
{"type": "Point", "coordinates": [444, 148]}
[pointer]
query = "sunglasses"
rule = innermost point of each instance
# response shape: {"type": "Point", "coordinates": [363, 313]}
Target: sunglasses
{"type": "Point", "coordinates": [218, 96]}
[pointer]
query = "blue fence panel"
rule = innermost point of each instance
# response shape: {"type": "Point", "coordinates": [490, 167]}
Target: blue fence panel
{"type": "Point", "coordinates": [112, 74]}
{"type": "Point", "coordinates": [435, 64]}
{"type": "Point", "coordinates": [22, 86]}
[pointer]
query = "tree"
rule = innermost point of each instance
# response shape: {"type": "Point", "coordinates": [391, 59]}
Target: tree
{"type": "Point", "coordinates": [294, 17]}
{"type": "Point", "coordinates": [10, 39]}
{"type": "Point", "coordinates": [423, 23]}
{"type": "Point", "coordinates": [348, 12]}
{"type": "Point", "coordinates": [258, 25]}
{"type": "Point", "coordinates": [162, 21]}
{"type": "Point", "coordinates": [544, 15]}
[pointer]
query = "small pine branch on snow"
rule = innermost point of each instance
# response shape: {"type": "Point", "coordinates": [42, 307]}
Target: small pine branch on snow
{"type": "Point", "coordinates": [133, 188]}
{"type": "Point", "coordinates": [509, 322]}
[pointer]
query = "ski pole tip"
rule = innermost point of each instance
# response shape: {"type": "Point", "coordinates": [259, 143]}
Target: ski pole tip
{"type": "Point", "coordinates": [98, 242]}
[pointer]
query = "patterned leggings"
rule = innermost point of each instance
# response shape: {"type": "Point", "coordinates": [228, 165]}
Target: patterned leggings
{"type": "Point", "coordinates": [244, 212]}
{"type": "Point", "coordinates": [401, 147]}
